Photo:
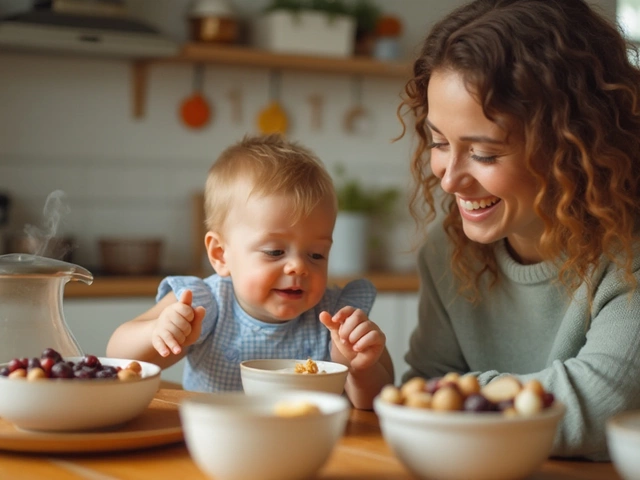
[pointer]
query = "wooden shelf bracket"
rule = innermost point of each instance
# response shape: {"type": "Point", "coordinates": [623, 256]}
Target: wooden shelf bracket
{"type": "Point", "coordinates": [140, 69]}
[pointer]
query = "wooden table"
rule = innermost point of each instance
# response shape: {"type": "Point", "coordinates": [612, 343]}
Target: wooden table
{"type": "Point", "coordinates": [360, 454]}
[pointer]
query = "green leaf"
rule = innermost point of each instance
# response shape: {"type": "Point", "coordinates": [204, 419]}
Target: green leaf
{"type": "Point", "coordinates": [353, 197]}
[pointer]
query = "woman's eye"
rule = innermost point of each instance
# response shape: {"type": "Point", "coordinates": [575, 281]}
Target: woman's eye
{"type": "Point", "coordinates": [488, 159]}
{"type": "Point", "coordinates": [274, 253]}
{"type": "Point", "coordinates": [436, 145]}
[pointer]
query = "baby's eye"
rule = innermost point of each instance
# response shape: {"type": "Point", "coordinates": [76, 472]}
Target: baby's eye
{"type": "Point", "coordinates": [274, 253]}
{"type": "Point", "coordinates": [317, 256]}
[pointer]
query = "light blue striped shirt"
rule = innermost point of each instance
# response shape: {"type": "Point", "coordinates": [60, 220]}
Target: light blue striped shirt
{"type": "Point", "coordinates": [229, 335]}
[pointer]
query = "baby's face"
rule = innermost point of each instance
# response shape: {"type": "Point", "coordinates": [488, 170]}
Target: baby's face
{"type": "Point", "coordinates": [278, 270]}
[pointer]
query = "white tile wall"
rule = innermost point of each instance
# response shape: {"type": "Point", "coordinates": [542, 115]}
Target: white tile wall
{"type": "Point", "coordinates": [66, 124]}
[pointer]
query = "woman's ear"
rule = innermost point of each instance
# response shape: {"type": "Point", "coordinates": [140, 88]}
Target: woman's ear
{"type": "Point", "coordinates": [215, 251]}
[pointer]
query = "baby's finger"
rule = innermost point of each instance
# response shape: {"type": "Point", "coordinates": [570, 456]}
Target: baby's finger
{"type": "Point", "coordinates": [184, 311]}
{"type": "Point", "coordinates": [160, 346]}
{"type": "Point", "coordinates": [369, 339]}
{"type": "Point", "coordinates": [175, 338]}
{"type": "Point", "coordinates": [345, 312]}
{"type": "Point", "coordinates": [186, 297]}
{"type": "Point", "coordinates": [351, 323]}
{"type": "Point", "coordinates": [329, 322]}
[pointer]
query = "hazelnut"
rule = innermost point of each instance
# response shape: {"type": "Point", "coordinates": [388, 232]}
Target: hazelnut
{"type": "Point", "coordinates": [126, 374]}
{"type": "Point", "coordinates": [135, 366]}
{"type": "Point", "coordinates": [419, 400]}
{"type": "Point", "coordinates": [18, 373]}
{"type": "Point", "coordinates": [416, 384]}
{"type": "Point", "coordinates": [527, 402]}
{"type": "Point", "coordinates": [391, 394]}
{"type": "Point", "coordinates": [535, 386]}
{"type": "Point", "coordinates": [468, 385]}
{"type": "Point", "coordinates": [36, 374]}
{"type": "Point", "coordinates": [447, 398]}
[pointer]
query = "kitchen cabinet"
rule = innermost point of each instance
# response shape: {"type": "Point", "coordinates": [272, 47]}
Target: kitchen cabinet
{"type": "Point", "coordinates": [397, 315]}
{"type": "Point", "coordinates": [93, 320]}
{"type": "Point", "coordinates": [245, 56]}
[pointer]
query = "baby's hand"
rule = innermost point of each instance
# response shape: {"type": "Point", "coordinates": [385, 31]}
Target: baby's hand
{"type": "Point", "coordinates": [177, 326]}
{"type": "Point", "coordinates": [355, 337]}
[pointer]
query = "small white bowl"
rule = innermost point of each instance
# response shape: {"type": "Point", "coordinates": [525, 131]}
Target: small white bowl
{"type": "Point", "coordinates": [623, 440]}
{"type": "Point", "coordinates": [232, 436]}
{"type": "Point", "coordinates": [277, 375]}
{"type": "Point", "coordinates": [468, 445]}
{"type": "Point", "coordinates": [66, 405]}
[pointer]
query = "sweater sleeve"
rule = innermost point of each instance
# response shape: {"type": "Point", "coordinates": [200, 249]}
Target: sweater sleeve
{"type": "Point", "coordinates": [434, 333]}
{"type": "Point", "coordinates": [593, 359]}
{"type": "Point", "coordinates": [603, 378]}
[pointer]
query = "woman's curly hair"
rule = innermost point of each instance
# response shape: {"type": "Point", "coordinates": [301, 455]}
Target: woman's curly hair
{"type": "Point", "coordinates": [563, 75]}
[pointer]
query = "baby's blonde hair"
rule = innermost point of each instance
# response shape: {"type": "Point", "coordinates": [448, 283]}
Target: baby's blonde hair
{"type": "Point", "coordinates": [270, 165]}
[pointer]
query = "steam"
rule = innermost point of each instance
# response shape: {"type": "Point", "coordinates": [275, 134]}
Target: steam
{"type": "Point", "coordinates": [55, 208]}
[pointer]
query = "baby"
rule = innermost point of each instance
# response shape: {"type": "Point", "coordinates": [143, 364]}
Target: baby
{"type": "Point", "coordinates": [270, 210]}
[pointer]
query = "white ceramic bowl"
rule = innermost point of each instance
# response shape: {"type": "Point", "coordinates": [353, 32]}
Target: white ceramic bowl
{"type": "Point", "coordinates": [74, 405]}
{"type": "Point", "coordinates": [623, 440]}
{"type": "Point", "coordinates": [232, 436]}
{"type": "Point", "coordinates": [468, 445]}
{"type": "Point", "coordinates": [277, 375]}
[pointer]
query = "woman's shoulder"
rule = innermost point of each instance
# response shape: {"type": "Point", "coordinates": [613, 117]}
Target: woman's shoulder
{"type": "Point", "coordinates": [435, 249]}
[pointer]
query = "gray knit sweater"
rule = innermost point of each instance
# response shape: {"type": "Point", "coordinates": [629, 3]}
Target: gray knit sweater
{"type": "Point", "coordinates": [531, 327]}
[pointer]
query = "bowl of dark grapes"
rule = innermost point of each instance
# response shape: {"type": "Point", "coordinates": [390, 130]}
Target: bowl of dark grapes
{"type": "Point", "coordinates": [52, 393]}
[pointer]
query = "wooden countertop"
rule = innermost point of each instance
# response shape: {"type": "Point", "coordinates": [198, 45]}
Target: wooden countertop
{"type": "Point", "coordinates": [361, 453]}
{"type": "Point", "coordinates": [111, 286]}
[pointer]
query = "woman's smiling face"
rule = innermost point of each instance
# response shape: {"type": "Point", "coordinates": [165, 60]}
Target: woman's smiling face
{"type": "Point", "coordinates": [484, 167]}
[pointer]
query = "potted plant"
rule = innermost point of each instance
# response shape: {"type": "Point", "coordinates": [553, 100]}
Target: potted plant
{"type": "Point", "coordinates": [366, 15]}
{"type": "Point", "coordinates": [357, 206]}
{"type": "Point", "coordinates": [316, 27]}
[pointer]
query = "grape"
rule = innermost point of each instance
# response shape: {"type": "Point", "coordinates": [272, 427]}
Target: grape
{"type": "Point", "coordinates": [478, 403]}
{"type": "Point", "coordinates": [54, 366]}
{"type": "Point", "coordinates": [62, 370]}
{"type": "Point", "coordinates": [33, 363]}
{"type": "Point", "coordinates": [51, 353]}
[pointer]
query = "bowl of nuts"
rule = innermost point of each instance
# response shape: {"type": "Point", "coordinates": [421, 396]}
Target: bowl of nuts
{"type": "Point", "coordinates": [451, 428]}
{"type": "Point", "coordinates": [56, 394]}
{"type": "Point", "coordinates": [278, 436]}
{"type": "Point", "coordinates": [277, 375]}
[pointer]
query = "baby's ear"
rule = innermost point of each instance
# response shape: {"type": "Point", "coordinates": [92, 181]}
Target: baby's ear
{"type": "Point", "coordinates": [215, 251]}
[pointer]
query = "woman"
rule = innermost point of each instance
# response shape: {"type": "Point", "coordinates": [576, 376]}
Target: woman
{"type": "Point", "coordinates": [527, 173]}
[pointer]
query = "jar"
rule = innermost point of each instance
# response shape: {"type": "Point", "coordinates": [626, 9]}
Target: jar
{"type": "Point", "coordinates": [31, 314]}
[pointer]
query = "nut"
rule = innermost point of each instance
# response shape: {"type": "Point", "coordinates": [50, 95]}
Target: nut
{"type": "Point", "coordinates": [501, 389]}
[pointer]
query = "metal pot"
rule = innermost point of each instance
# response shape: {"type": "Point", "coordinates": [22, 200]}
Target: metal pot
{"type": "Point", "coordinates": [130, 256]}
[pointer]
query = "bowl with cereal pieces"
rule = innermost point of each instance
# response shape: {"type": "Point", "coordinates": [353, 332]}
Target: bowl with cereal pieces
{"type": "Point", "coordinates": [277, 436]}
{"type": "Point", "coordinates": [277, 375]}
{"type": "Point", "coordinates": [450, 428]}
{"type": "Point", "coordinates": [52, 393]}
{"type": "Point", "coordinates": [623, 440]}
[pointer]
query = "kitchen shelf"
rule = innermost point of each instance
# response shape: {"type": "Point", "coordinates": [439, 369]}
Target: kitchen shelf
{"type": "Point", "coordinates": [133, 286]}
{"type": "Point", "coordinates": [246, 56]}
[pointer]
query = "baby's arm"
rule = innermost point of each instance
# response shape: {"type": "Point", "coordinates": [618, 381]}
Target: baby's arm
{"type": "Point", "coordinates": [360, 344]}
{"type": "Point", "coordinates": [169, 326]}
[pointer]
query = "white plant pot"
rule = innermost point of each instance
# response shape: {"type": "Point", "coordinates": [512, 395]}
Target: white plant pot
{"type": "Point", "coordinates": [305, 32]}
{"type": "Point", "coordinates": [349, 251]}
